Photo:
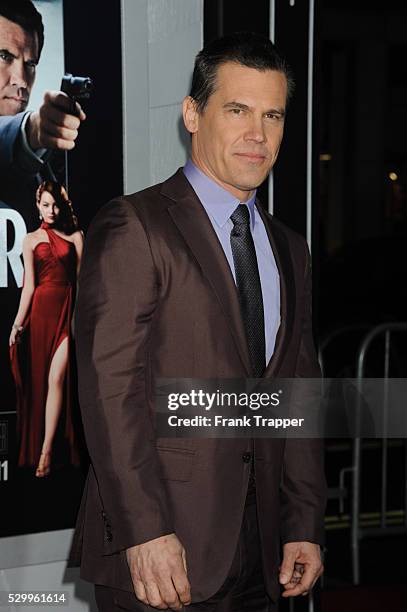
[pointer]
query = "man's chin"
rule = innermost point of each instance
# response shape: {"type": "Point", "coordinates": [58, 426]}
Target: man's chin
{"type": "Point", "coordinates": [11, 107]}
{"type": "Point", "coordinates": [249, 183]}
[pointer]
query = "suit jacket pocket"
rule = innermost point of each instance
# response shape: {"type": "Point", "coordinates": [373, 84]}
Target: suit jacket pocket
{"type": "Point", "coordinates": [176, 463]}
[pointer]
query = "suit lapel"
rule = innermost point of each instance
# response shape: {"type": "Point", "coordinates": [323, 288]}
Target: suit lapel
{"type": "Point", "coordinates": [196, 228]}
{"type": "Point", "coordinates": [280, 247]}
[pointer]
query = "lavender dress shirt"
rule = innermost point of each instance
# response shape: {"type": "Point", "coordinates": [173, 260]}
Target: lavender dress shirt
{"type": "Point", "coordinates": [219, 205]}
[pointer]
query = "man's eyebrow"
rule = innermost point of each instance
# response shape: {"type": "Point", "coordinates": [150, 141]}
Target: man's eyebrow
{"type": "Point", "coordinates": [236, 104]}
{"type": "Point", "coordinates": [276, 111]}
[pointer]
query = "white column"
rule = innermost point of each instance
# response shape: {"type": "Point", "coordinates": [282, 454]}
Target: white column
{"type": "Point", "coordinates": [160, 39]}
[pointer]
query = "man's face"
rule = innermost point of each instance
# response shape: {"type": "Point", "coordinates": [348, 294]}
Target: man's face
{"type": "Point", "coordinates": [237, 137]}
{"type": "Point", "coordinates": [18, 59]}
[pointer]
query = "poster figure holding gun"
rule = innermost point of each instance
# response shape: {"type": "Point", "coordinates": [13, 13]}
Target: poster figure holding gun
{"type": "Point", "coordinates": [28, 138]}
{"type": "Point", "coordinates": [41, 362]}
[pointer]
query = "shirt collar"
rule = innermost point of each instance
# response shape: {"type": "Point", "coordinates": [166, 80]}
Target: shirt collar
{"type": "Point", "coordinates": [219, 203]}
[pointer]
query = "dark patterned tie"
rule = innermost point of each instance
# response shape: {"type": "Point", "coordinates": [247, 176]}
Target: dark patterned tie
{"type": "Point", "coordinates": [249, 287]}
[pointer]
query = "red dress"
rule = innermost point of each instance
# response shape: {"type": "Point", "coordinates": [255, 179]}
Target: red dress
{"type": "Point", "coordinates": [47, 324]}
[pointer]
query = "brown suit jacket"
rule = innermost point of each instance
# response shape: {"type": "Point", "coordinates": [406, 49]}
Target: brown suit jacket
{"type": "Point", "coordinates": [157, 299]}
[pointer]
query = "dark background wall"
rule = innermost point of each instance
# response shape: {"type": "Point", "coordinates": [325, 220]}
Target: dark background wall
{"type": "Point", "coordinates": [363, 146]}
{"type": "Point", "coordinates": [96, 166]}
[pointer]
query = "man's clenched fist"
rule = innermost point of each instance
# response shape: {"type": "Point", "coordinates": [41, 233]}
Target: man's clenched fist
{"type": "Point", "coordinates": [159, 573]}
{"type": "Point", "coordinates": [301, 568]}
{"type": "Point", "coordinates": [53, 126]}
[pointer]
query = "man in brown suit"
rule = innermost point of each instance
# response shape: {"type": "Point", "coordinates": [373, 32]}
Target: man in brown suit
{"type": "Point", "coordinates": [191, 278]}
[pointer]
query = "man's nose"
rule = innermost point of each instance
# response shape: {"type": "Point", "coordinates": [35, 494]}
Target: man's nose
{"type": "Point", "coordinates": [256, 130]}
{"type": "Point", "coordinates": [18, 76]}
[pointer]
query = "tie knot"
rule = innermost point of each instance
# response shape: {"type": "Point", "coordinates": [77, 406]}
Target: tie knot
{"type": "Point", "coordinates": [241, 216]}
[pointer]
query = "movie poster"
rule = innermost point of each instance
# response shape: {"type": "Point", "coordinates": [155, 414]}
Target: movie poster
{"type": "Point", "coordinates": [42, 453]}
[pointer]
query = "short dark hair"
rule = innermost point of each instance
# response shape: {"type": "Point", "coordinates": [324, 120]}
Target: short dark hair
{"type": "Point", "coordinates": [24, 14]}
{"type": "Point", "coordinates": [246, 48]}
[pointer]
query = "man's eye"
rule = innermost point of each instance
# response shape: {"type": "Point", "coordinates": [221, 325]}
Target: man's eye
{"type": "Point", "coordinates": [6, 57]}
{"type": "Point", "coordinates": [236, 111]}
{"type": "Point", "coordinates": [273, 116]}
{"type": "Point", "coordinates": [31, 64]}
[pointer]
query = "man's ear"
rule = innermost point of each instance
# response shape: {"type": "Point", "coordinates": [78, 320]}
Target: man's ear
{"type": "Point", "coordinates": [190, 114]}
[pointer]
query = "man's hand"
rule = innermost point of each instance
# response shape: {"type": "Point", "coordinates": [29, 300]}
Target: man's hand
{"type": "Point", "coordinates": [301, 568]}
{"type": "Point", "coordinates": [52, 126]}
{"type": "Point", "coordinates": [159, 573]}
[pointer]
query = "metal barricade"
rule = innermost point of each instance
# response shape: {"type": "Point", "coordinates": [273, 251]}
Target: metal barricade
{"type": "Point", "coordinates": [340, 492]}
{"type": "Point", "coordinates": [360, 524]}
{"type": "Point", "coordinates": [358, 532]}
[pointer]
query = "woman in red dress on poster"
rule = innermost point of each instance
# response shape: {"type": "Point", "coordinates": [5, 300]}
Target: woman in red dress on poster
{"type": "Point", "coordinates": [40, 339]}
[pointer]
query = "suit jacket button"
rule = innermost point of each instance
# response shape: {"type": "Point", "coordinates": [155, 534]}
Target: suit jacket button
{"type": "Point", "coordinates": [247, 457]}
{"type": "Point", "coordinates": [109, 535]}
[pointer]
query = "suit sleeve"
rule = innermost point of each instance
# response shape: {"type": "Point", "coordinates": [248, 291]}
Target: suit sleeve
{"type": "Point", "coordinates": [303, 485]}
{"type": "Point", "coordinates": [117, 299]}
{"type": "Point", "coordinates": [12, 153]}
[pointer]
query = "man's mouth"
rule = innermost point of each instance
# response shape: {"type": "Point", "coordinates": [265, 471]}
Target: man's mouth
{"type": "Point", "coordinates": [253, 157]}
